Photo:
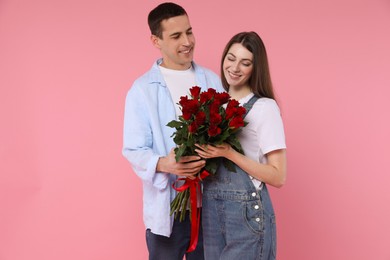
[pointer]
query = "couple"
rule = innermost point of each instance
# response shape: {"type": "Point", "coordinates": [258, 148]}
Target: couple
{"type": "Point", "coordinates": [237, 217]}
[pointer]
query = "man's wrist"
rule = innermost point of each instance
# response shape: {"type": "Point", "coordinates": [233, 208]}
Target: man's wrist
{"type": "Point", "coordinates": [160, 167]}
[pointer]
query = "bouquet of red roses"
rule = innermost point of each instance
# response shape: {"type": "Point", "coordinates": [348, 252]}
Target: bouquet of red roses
{"type": "Point", "coordinates": [204, 120]}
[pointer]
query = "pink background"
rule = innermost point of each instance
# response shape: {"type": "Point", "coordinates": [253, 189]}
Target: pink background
{"type": "Point", "coordinates": [66, 192]}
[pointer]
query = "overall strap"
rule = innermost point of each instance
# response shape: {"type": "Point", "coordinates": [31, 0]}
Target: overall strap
{"type": "Point", "coordinates": [248, 105]}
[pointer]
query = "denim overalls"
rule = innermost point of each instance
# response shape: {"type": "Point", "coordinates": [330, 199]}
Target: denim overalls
{"type": "Point", "coordinates": [238, 220]}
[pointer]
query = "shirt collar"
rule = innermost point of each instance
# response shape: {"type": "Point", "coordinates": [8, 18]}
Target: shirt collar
{"type": "Point", "coordinates": [156, 76]}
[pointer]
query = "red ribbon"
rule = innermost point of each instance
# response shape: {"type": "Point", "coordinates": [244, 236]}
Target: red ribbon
{"type": "Point", "coordinates": [194, 186]}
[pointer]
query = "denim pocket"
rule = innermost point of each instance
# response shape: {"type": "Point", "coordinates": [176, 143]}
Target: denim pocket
{"type": "Point", "coordinates": [253, 214]}
{"type": "Point", "coordinates": [274, 238]}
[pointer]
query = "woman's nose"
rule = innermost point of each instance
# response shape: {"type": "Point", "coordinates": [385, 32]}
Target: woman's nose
{"type": "Point", "coordinates": [235, 67]}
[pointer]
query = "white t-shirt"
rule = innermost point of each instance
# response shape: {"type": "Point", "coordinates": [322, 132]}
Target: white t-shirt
{"type": "Point", "coordinates": [264, 132]}
{"type": "Point", "coordinates": [178, 82]}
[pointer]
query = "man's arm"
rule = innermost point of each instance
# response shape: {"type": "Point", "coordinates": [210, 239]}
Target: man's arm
{"type": "Point", "coordinates": [138, 141]}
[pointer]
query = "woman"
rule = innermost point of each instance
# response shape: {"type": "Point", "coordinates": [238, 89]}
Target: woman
{"type": "Point", "coordinates": [238, 217]}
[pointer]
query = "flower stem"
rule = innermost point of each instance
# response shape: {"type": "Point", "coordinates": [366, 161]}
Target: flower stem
{"type": "Point", "coordinates": [184, 205]}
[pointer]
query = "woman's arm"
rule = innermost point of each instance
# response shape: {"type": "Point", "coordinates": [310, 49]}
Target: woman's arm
{"type": "Point", "coordinates": [272, 173]}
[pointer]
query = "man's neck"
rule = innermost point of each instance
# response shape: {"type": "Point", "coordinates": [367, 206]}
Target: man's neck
{"type": "Point", "coordinates": [173, 66]}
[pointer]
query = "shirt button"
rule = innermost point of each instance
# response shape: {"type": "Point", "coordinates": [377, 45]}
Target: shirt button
{"type": "Point", "coordinates": [253, 194]}
{"type": "Point", "coordinates": [257, 219]}
{"type": "Point", "coordinates": [257, 207]}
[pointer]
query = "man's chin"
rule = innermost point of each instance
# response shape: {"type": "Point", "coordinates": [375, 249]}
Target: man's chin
{"type": "Point", "coordinates": [186, 62]}
{"type": "Point", "coordinates": [186, 57]}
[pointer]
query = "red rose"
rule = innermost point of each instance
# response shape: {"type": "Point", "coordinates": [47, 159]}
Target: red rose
{"type": "Point", "coordinates": [236, 122]}
{"type": "Point", "coordinates": [186, 116]}
{"type": "Point", "coordinates": [192, 106]}
{"type": "Point", "coordinates": [233, 108]}
{"type": "Point", "coordinates": [183, 99]}
{"type": "Point", "coordinates": [200, 118]}
{"type": "Point", "coordinates": [193, 127]}
{"type": "Point", "coordinates": [214, 107]}
{"type": "Point", "coordinates": [222, 97]}
{"type": "Point", "coordinates": [215, 118]}
{"type": "Point", "coordinates": [189, 107]}
{"type": "Point", "coordinates": [240, 111]}
{"type": "Point", "coordinates": [211, 91]}
{"type": "Point", "coordinates": [195, 91]}
{"type": "Point", "coordinates": [214, 130]}
{"type": "Point", "coordinates": [230, 112]}
{"type": "Point", "coordinates": [207, 95]}
{"type": "Point", "coordinates": [189, 104]}
{"type": "Point", "coordinates": [233, 103]}
{"type": "Point", "coordinates": [204, 97]}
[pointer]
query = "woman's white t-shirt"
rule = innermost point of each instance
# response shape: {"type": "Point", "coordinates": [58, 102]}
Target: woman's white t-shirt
{"type": "Point", "coordinates": [264, 132]}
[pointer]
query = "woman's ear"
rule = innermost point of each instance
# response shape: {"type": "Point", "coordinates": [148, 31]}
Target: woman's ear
{"type": "Point", "coordinates": [155, 41]}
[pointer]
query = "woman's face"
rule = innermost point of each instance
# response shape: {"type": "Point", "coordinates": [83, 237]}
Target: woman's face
{"type": "Point", "coordinates": [238, 66]}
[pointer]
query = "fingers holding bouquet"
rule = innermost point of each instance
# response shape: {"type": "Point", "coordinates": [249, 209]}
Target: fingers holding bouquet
{"type": "Point", "coordinates": [186, 166]}
{"type": "Point", "coordinates": [210, 151]}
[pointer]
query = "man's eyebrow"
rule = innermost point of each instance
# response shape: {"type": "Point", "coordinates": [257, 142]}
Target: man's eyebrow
{"type": "Point", "coordinates": [178, 33]}
{"type": "Point", "coordinates": [175, 34]}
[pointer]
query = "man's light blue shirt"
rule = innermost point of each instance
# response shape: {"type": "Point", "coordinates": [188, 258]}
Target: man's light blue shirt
{"type": "Point", "coordinates": [149, 107]}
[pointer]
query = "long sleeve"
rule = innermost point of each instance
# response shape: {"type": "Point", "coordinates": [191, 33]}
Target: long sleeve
{"type": "Point", "coordinates": [138, 139]}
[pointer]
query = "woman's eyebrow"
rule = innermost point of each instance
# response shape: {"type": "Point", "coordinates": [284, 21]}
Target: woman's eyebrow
{"type": "Point", "coordinates": [241, 59]}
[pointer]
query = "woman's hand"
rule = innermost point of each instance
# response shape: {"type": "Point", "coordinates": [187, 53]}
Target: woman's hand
{"type": "Point", "coordinates": [273, 172]}
{"type": "Point", "coordinates": [210, 151]}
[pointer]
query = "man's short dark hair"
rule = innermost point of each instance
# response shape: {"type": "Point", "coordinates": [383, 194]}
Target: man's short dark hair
{"type": "Point", "coordinates": [162, 12]}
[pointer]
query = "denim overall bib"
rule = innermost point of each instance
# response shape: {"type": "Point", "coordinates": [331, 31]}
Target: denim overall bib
{"type": "Point", "coordinates": [238, 219]}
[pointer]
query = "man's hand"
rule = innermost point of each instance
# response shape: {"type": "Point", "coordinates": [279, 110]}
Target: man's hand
{"type": "Point", "coordinates": [188, 166]}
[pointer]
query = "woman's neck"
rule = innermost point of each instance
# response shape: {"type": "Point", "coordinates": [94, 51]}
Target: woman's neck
{"type": "Point", "coordinates": [239, 93]}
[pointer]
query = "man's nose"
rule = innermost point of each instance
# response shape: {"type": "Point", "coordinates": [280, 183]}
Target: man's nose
{"type": "Point", "coordinates": [186, 40]}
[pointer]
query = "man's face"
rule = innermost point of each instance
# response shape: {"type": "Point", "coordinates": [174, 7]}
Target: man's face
{"type": "Point", "coordinates": [177, 43]}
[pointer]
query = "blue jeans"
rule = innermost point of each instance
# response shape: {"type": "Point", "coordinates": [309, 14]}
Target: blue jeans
{"type": "Point", "coordinates": [238, 220]}
{"type": "Point", "coordinates": [175, 246]}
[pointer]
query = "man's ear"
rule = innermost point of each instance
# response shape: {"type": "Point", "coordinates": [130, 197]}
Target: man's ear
{"type": "Point", "coordinates": [155, 41]}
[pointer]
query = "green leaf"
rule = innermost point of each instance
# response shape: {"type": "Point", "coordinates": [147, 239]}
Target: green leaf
{"type": "Point", "coordinates": [225, 135]}
{"type": "Point", "coordinates": [190, 142]}
{"type": "Point", "coordinates": [202, 140]}
{"type": "Point", "coordinates": [179, 138]}
{"type": "Point", "coordinates": [212, 165]}
{"type": "Point", "coordinates": [229, 165]}
{"type": "Point", "coordinates": [175, 124]}
{"type": "Point", "coordinates": [235, 144]}
{"type": "Point", "coordinates": [179, 152]}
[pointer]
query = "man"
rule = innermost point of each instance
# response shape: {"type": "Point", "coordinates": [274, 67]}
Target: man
{"type": "Point", "coordinates": [148, 145]}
